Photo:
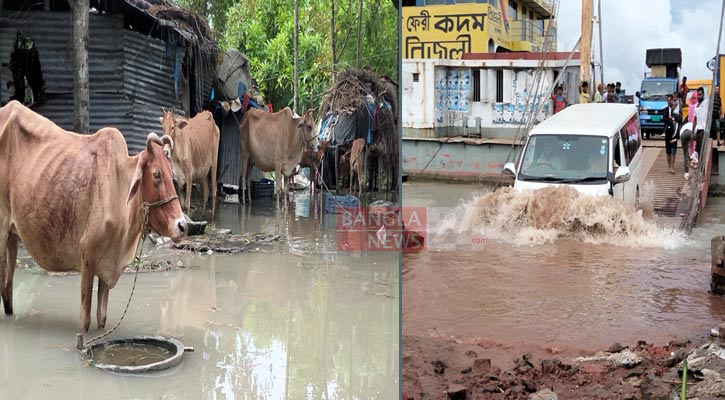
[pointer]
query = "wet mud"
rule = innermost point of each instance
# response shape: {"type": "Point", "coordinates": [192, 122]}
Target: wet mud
{"type": "Point", "coordinates": [522, 307]}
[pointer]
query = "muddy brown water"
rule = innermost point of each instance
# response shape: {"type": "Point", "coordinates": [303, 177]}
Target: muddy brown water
{"type": "Point", "coordinates": [520, 288]}
{"type": "Point", "coordinates": [130, 354]}
{"type": "Point", "coordinates": [297, 320]}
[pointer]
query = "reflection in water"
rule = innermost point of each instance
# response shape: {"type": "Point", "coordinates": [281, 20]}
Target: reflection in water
{"type": "Point", "coordinates": [297, 320]}
{"type": "Point", "coordinates": [563, 294]}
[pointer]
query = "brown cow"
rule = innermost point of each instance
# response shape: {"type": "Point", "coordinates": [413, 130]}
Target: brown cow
{"type": "Point", "coordinates": [357, 156]}
{"type": "Point", "coordinates": [195, 155]}
{"type": "Point", "coordinates": [77, 202]}
{"type": "Point", "coordinates": [274, 142]}
{"type": "Point", "coordinates": [313, 160]}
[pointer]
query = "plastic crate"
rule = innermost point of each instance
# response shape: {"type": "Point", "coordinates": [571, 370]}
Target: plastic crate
{"type": "Point", "coordinates": [338, 204]}
{"type": "Point", "coordinates": [262, 189]}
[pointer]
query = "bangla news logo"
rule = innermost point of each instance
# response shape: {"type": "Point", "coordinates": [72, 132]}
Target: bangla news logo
{"type": "Point", "coordinates": [397, 229]}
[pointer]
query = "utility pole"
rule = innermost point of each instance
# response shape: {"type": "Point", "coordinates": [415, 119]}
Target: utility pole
{"type": "Point", "coordinates": [359, 30]}
{"type": "Point", "coordinates": [81, 97]}
{"type": "Point", "coordinates": [586, 43]}
{"type": "Point", "coordinates": [601, 48]}
{"type": "Point", "coordinates": [297, 57]}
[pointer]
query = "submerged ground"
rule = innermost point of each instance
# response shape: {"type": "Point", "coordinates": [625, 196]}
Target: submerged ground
{"type": "Point", "coordinates": [295, 318]}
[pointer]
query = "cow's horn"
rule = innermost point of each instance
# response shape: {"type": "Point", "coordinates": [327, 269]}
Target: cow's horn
{"type": "Point", "coordinates": [153, 137]}
{"type": "Point", "coordinates": [166, 139]}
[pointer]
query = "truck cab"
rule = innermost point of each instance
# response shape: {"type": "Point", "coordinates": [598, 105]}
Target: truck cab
{"type": "Point", "coordinates": [652, 101]}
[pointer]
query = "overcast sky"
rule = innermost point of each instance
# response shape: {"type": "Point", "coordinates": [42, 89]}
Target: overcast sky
{"type": "Point", "coordinates": [629, 27]}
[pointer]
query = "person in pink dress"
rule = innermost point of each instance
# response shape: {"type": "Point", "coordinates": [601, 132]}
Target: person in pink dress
{"type": "Point", "coordinates": [693, 106]}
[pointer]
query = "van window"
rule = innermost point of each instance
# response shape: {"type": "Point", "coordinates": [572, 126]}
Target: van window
{"type": "Point", "coordinates": [631, 138]}
{"type": "Point", "coordinates": [617, 151]}
{"type": "Point", "coordinates": [565, 158]}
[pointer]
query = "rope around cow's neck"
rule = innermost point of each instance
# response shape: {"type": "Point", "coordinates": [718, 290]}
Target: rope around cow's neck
{"type": "Point", "coordinates": [136, 261]}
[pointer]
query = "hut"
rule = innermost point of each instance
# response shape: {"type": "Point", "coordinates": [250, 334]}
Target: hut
{"type": "Point", "coordinates": [142, 54]}
{"type": "Point", "coordinates": [361, 104]}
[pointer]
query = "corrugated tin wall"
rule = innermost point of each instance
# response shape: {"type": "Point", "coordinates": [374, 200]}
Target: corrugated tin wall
{"type": "Point", "coordinates": [229, 150]}
{"type": "Point", "coordinates": [131, 76]}
{"type": "Point", "coordinates": [148, 84]}
{"type": "Point", "coordinates": [52, 36]}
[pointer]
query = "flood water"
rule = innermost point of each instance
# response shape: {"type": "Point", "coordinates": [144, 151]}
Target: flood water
{"type": "Point", "coordinates": [296, 320]}
{"type": "Point", "coordinates": [560, 291]}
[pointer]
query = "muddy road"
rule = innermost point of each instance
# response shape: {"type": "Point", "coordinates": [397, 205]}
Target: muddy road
{"type": "Point", "coordinates": [546, 290]}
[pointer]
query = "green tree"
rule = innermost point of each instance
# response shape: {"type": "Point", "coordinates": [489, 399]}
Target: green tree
{"type": "Point", "coordinates": [263, 31]}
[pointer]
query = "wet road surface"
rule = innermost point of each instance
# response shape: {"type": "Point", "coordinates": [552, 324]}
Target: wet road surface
{"type": "Point", "coordinates": [565, 294]}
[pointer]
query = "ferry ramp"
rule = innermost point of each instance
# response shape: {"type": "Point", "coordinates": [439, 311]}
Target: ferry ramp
{"type": "Point", "coordinates": [667, 187]}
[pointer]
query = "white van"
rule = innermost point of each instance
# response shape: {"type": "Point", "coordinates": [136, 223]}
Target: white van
{"type": "Point", "coordinates": [596, 148]}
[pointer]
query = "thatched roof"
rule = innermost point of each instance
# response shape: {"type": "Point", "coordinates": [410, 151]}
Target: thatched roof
{"type": "Point", "coordinates": [188, 23]}
{"type": "Point", "coordinates": [349, 89]}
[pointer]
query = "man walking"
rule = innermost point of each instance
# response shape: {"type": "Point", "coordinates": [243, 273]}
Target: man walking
{"type": "Point", "coordinates": [700, 121]}
{"type": "Point", "coordinates": [672, 125]}
{"type": "Point", "coordinates": [716, 116]}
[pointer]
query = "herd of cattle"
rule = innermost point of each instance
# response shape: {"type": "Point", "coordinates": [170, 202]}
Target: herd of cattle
{"type": "Point", "coordinates": [81, 203]}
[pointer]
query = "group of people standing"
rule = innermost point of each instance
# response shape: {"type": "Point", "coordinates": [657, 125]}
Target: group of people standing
{"type": "Point", "coordinates": [614, 94]}
{"type": "Point", "coordinates": [691, 132]}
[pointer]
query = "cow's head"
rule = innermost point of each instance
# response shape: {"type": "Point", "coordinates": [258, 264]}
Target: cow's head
{"type": "Point", "coordinates": [306, 127]}
{"type": "Point", "coordinates": [152, 180]}
{"type": "Point", "coordinates": [170, 124]}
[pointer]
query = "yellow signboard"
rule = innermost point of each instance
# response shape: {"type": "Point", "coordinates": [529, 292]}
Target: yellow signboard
{"type": "Point", "coordinates": [448, 31]}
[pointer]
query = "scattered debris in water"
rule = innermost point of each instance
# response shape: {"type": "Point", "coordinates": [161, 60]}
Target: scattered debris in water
{"type": "Point", "coordinates": [156, 266]}
{"type": "Point", "coordinates": [223, 241]}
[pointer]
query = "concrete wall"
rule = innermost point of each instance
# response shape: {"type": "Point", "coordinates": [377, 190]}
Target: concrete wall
{"type": "Point", "coordinates": [442, 97]}
{"type": "Point", "coordinates": [464, 159]}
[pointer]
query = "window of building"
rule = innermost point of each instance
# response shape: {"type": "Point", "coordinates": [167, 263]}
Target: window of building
{"type": "Point", "coordinates": [476, 85]}
{"type": "Point", "coordinates": [416, 77]}
{"type": "Point", "coordinates": [512, 10]}
{"type": "Point", "coordinates": [499, 86]}
{"type": "Point", "coordinates": [531, 27]}
{"type": "Point", "coordinates": [469, 1]}
{"type": "Point", "coordinates": [434, 2]}
{"type": "Point", "coordinates": [524, 23]}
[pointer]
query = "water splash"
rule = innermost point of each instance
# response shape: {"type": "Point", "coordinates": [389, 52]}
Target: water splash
{"type": "Point", "coordinates": [545, 215]}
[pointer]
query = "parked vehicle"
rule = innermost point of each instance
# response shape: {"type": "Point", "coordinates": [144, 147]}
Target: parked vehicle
{"type": "Point", "coordinates": [652, 101]}
{"type": "Point", "coordinates": [595, 148]}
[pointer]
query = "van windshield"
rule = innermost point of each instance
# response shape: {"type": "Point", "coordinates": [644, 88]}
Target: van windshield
{"type": "Point", "coordinates": [656, 90]}
{"type": "Point", "coordinates": [566, 159]}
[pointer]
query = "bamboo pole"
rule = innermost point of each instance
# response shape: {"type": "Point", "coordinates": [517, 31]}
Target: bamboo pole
{"type": "Point", "coordinates": [586, 41]}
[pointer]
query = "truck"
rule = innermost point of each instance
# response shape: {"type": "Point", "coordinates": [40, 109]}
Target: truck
{"type": "Point", "coordinates": [663, 79]}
